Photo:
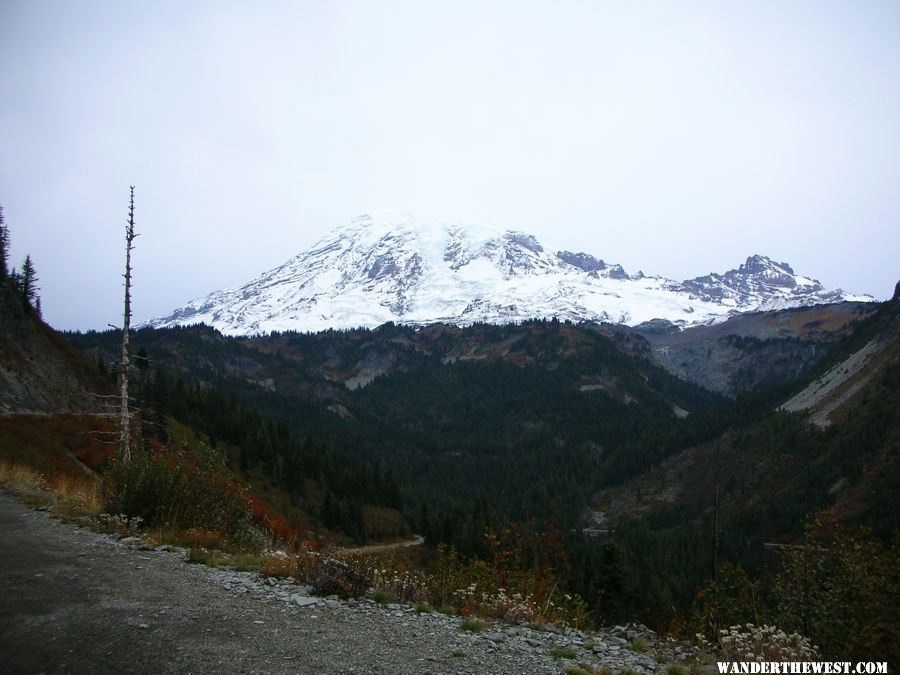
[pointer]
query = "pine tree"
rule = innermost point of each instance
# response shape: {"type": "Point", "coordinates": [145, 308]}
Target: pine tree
{"type": "Point", "coordinates": [28, 283]}
{"type": "Point", "coordinates": [611, 597]}
{"type": "Point", "coordinates": [4, 247]}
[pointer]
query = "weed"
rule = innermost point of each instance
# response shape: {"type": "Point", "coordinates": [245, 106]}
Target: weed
{"type": "Point", "coordinates": [334, 577]}
{"type": "Point", "coordinates": [382, 598]}
{"type": "Point", "coordinates": [768, 643]}
{"type": "Point", "coordinates": [675, 669]}
{"type": "Point", "coordinates": [119, 524]}
{"type": "Point", "coordinates": [202, 556]}
{"type": "Point", "coordinates": [458, 654]}
{"type": "Point", "coordinates": [474, 625]}
{"type": "Point", "coordinates": [580, 669]}
{"type": "Point", "coordinates": [640, 645]}
{"type": "Point", "coordinates": [69, 498]}
{"type": "Point", "coordinates": [240, 562]}
{"type": "Point", "coordinates": [562, 653]}
{"type": "Point", "coordinates": [424, 608]}
{"type": "Point", "coordinates": [278, 564]}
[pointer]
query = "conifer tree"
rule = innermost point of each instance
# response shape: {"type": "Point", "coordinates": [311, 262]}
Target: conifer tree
{"type": "Point", "coordinates": [28, 283]}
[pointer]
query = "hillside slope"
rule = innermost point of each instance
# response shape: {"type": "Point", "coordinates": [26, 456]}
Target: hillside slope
{"type": "Point", "coordinates": [753, 350]}
{"type": "Point", "coordinates": [829, 395]}
{"type": "Point", "coordinates": [40, 371]}
{"type": "Point", "coordinates": [763, 479]}
{"type": "Point", "coordinates": [58, 417]}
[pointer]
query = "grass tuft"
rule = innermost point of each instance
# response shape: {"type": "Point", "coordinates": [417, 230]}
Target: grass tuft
{"type": "Point", "coordinates": [580, 669]}
{"type": "Point", "coordinates": [640, 645]}
{"type": "Point", "coordinates": [563, 653]}
{"type": "Point", "coordinates": [382, 598]}
{"type": "Point", "coordinates": [473, 625]}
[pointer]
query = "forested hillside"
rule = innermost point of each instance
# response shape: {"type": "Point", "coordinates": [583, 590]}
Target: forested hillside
{"type": "Point", "coordinates": [482, 425]}
{"type": "Point", "coordinates": [540, 424]}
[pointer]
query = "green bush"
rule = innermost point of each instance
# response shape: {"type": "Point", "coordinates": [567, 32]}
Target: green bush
{"type": "Point", "coordinates": [166, 488]}
{"type": "Point", "coordinates": [842, 589]}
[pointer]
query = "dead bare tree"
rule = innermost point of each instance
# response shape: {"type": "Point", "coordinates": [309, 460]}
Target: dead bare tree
{"type": "Point", "coordinates": [125, 438]}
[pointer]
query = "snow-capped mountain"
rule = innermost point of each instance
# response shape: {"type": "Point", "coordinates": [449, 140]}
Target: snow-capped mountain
{"type": "Point", "coordinates": [396, 269]}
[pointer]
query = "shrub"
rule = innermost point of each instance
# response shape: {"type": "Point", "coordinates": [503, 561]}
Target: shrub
{"type": "Point", "coordinates": [759, 643]}
{"type": "Point", "coordinates": [334, 577]}
{"type": "Point", "coordinates": [500, 589]}
{"type": "Point", "coordinates": [400, 585]}
{"type": "Point", "coordinates": [165, 488]}
{"type": "Point", "coordinates": [278, 564]}
{"type": "Point", "coordinates": [119, 523]}
{"type": "Point", "coordinates": [842, 588]}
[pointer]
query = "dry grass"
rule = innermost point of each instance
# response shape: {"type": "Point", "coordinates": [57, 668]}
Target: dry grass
{"type": "Point", "coordinates": [242, 562]}
{"type": "Point", "coordinates": [67, 496]}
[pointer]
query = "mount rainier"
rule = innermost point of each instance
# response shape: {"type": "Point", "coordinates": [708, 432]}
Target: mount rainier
{"type": "Point", "coordinates": [372, 271]}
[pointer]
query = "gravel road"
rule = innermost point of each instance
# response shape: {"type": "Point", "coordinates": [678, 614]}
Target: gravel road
{"type": "Point", "coordinates": [74, 601]}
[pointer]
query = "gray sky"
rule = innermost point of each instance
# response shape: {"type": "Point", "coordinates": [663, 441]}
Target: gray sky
{"type": "Point", "coordinates": [673, 137]}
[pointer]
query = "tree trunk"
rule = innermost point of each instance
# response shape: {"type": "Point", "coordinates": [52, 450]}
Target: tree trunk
{"type": "Point", "coordinates": [125, 437]}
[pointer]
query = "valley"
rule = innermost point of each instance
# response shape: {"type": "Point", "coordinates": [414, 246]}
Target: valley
{"type": "Point", "coordinates": [633, 473]}
{"type": "Point", "coordinates": [548, 422]}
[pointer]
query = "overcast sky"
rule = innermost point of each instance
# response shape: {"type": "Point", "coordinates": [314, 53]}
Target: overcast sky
{"type": "Point", "coordinates": [673, 137]}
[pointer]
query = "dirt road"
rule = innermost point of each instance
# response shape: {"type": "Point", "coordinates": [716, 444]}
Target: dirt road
{"type": "Point", "coordinates": [74, 601]}
{"type": "Point", "coordinates": [418, 540]}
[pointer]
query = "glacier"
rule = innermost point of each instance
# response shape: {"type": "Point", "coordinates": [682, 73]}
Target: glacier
{"type": "Point", "coordinates": [407, 271]}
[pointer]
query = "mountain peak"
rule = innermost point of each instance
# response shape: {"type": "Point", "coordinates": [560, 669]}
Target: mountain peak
{"type": "Point", "coordinates": [764, 266]}
{"type": "Point", "coordinates": [396, 267]}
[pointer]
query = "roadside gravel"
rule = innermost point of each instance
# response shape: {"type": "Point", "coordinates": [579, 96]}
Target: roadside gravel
{"type": "Point", "coordinates": [74, 601]}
